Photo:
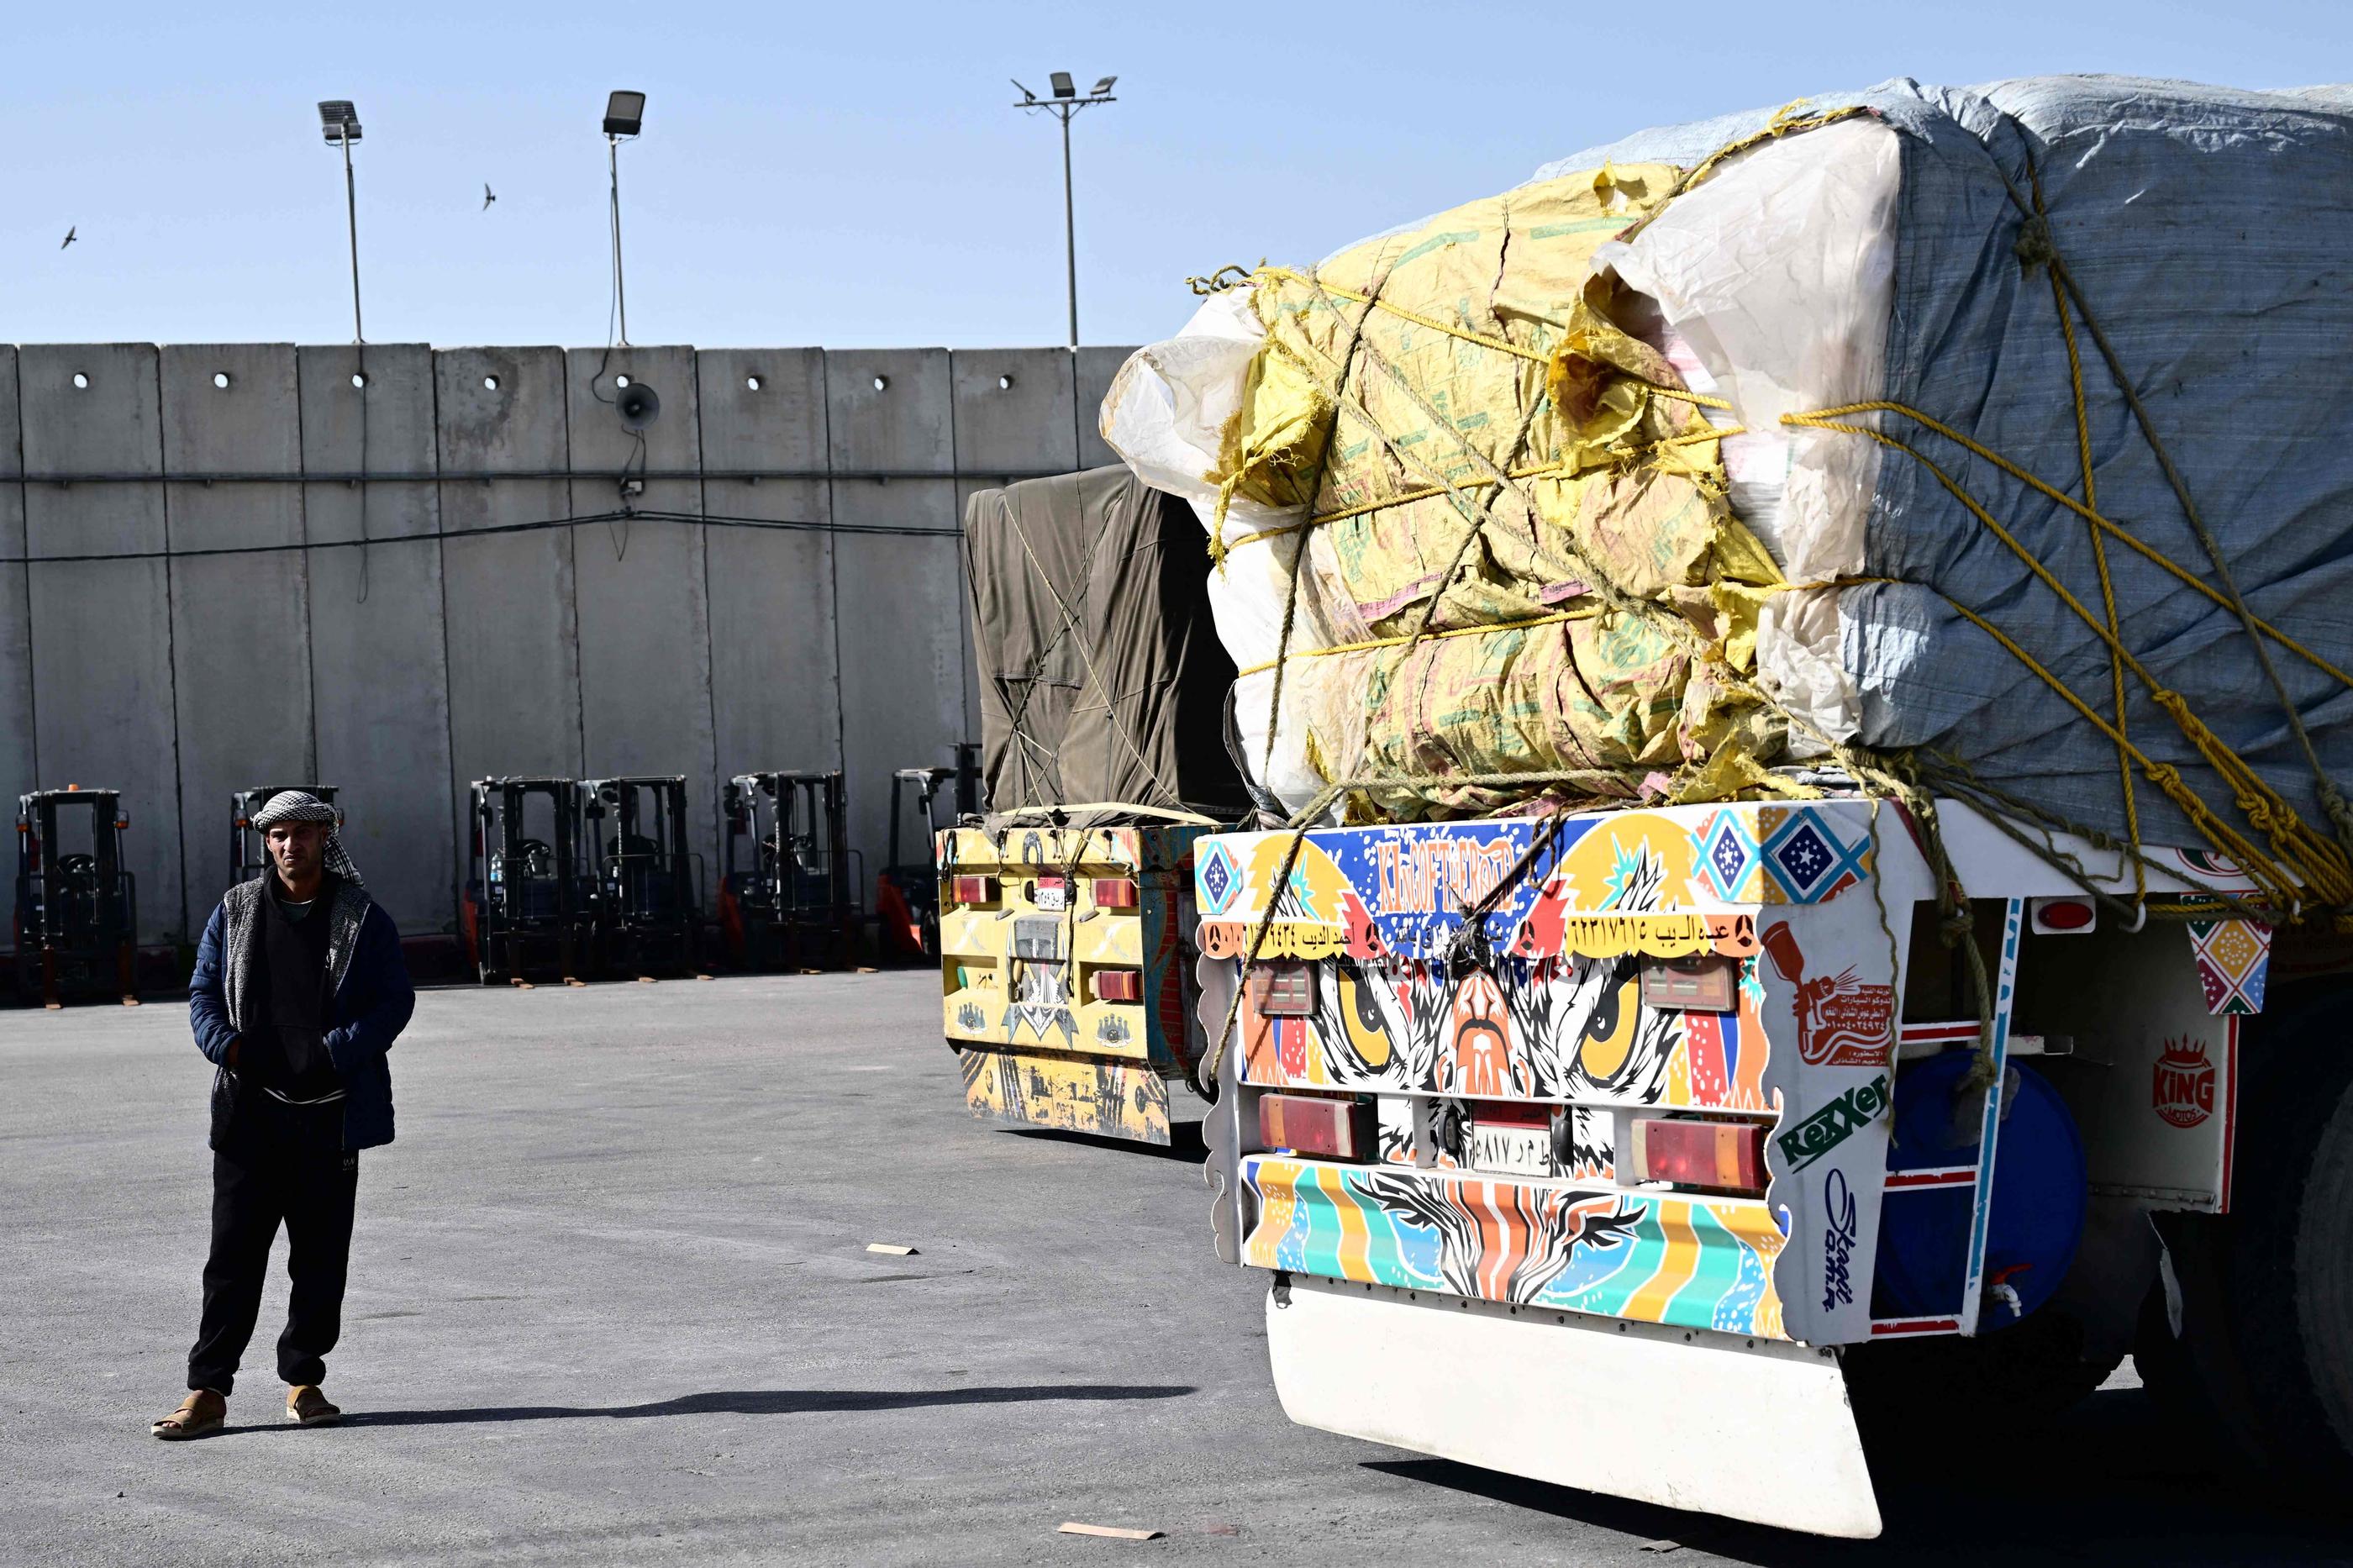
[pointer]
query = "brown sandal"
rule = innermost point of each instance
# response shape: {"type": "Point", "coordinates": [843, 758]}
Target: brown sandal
{"type": "Point", "coordinates": [201, 1413]}
{"type": "Point", "coordinates": [306, 1407]}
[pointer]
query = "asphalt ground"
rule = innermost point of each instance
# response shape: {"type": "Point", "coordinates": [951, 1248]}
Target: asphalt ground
{"type": "Point", "coordinates": [611, 1302]}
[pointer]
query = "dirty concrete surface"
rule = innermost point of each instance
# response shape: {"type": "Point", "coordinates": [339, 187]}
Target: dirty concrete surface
{"type": "Point", "coordinates": [610, 1302]}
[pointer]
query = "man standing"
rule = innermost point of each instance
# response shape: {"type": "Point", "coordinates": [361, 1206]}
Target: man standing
{"type": "Point", "coordinates": [299, 990]}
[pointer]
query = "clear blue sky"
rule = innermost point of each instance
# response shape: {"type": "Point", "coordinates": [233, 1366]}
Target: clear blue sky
{"type": "Point", "coordinates": [853, 174]}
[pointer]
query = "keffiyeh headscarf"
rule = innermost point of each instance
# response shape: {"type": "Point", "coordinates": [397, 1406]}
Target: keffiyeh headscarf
{"type": "Point", "coordinates": [301, 805]}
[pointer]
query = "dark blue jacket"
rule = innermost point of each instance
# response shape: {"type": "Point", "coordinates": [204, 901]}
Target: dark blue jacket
{"type": "Point", "coordinates": [373, 998]}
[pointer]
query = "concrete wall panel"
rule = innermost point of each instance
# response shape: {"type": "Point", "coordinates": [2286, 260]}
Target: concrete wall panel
{"type": "Point", "coordinates": [1015, 418]}
{"type": "Point", "coordinates": [17, 764]}
{"type": "Point", "coordinates": [641, 588]}
{"type": "Point", "coordinates": [101, 630]}
{"type": "Point", "coordinates": [379, 676]}
{"type": "Point", "coordinates": [898, 596]}
{"type": "Point", "coordinates": [1014, 413]}
{"type": "Point", "coordinates": [514, 666]}
{"type": "Point", "coordinates": [774, 673]}
{"type": "Point", "coordinates": [473, 635]}
{"type": "Point", "coordinates": [1097, 367]}
{"type": "Point", "coordinates": [240, 623]}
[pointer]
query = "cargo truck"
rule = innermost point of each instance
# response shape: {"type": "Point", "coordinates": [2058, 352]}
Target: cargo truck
{"type": "Point", "coordinates": [1065, 919]}
{"type": "Point", "coordinates": [1793, 672]}
{"type": "Point", "coordinates": [1617, 1184]}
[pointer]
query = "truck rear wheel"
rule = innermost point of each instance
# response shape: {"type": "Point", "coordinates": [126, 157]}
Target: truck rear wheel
{"type": "Point", "coordinates": [2254, 1334]}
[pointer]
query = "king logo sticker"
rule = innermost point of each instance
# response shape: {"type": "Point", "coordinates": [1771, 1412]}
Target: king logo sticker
{"type": "Point", "coordinates": [2184, 1091]}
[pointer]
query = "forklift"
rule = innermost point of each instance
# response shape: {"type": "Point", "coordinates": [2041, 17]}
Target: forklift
{"type": "Point", "coordinates": [795, 907]}
{"type": "Point", "coordinates": [907, 894]}
{"type": "Point", "coordinates": [647, 913]}
{"type": "Point", "coordinates": [247, 857]}
{"type": "Point", "coordinates": [76, 928]}
{"type": "Point", "coordinates": [529, 902]}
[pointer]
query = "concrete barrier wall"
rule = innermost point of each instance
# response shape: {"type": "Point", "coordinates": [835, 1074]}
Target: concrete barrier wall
{"type": "Point", "coordinates": [401, 635]}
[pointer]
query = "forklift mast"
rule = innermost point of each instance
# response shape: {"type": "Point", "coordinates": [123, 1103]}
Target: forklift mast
{"type": "Point", "coordinates": [909, 891]}
{"type": "Point", "coordinates": [76, 920]}
{"type": "Point", "coordinates": [527, 898]}
{"type": "Point", "coordinates": [648, 914]}
{"type": "Point", "coordinates": [796, 900]}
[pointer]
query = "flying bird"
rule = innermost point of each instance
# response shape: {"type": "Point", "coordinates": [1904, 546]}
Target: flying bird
{"type": "Point", "coordinates": [489, 196]}
{"type": "Point", "coordinates": [69, 237]}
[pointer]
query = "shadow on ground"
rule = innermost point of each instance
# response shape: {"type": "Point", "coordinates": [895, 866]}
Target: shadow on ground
{"type": "Point", "coordinates": [750, 1402]}
{"type": "Point", "coordinates": [773, 1402]}
{"type": "Point", "coordinates": [2108, 1483]}
{"type": "Point", "coordinates": [1184, 1142]}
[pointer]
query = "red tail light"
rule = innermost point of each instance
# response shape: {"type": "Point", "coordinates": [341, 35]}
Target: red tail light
{"type": "Point", "coordinates": [1306, 1125]}
{"type": "Point", "coordinates": [1283, 989]}
{"type": "Point", "coordinates": [973, 889]}
{"type": "Point", "coordinates": [1729, 1154]}
{"type": "Point", "coordinates": [1119, 985]}
{"type": "Point", "coordinates": [1114, 893]}
{"type": "Point", "coordinates": [1703, 982]}
{"type": "Point", "coordinates": [2061, 917]}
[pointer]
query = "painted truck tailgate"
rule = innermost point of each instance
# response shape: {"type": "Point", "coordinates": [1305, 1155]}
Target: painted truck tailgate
{"type": "Point", "coordinates": [1066, 973]}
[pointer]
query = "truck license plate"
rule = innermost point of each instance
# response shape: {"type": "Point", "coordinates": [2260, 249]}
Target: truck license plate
{"type": "Point", "coordinates": [1510, 1146]}
{"type": "Point", "coordinates": [1052, 893]}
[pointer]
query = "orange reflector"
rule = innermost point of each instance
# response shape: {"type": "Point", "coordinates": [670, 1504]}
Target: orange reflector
{"type": "Point", "coordinates": [1729, 1154]}
{"type": "Point", "coordinates": [1119, 985]}
{"type": "Point", "coordinates": [974, 889]}
{"type": "Point", "coordinates": [1306, 1125]}
{"type": "Point", "coordinates": [1114, 893]}
{"type": "Point", "coordinates": [1283, 989]}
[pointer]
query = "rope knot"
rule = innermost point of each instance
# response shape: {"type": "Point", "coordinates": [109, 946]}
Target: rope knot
{"type": "Point", "coordinates": [2033, 246]}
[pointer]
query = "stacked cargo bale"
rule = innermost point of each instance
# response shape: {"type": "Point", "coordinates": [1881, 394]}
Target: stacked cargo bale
{"type": "Point", "coordinates": [1911, 434]}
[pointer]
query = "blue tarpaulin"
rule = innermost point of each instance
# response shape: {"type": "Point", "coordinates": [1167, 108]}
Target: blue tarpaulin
{"type": "Point", "coordinates": [2210, 231]}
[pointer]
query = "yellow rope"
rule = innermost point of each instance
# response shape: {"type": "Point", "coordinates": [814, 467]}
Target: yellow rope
{"type": "Point", "coordinates": [1484, 340]}
{"type": "Point", "coordinates": [2278, 883]}
{"type": "Point", "coordinates": [2099, 552]}
{"type": "Point", "coordinates": [1827, 419]}
{"type": "Point", "coordinates": [1496, 629]}
{"type": "Point", "coordinates": [2319, 864]}
{"type": "Point", "coordinates": [1536, 471]}
{"type": "Point", "coordinates": [2323, 864]}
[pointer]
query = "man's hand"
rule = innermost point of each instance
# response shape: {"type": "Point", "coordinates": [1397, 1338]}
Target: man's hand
{"type": "Point", "coordinates": [230, 1059]}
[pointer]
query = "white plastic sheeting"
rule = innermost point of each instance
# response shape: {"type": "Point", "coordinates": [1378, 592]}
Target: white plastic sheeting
{"type": "Point", "coordinates": [1777, 273]}
{"type": "Point", "coordinates": [1164, 414]}
{"type": "Point", "coordinates": [2208, 229]}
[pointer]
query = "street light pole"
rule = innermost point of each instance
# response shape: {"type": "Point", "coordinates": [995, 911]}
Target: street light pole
{"type": "Point", "coordinates": [352, 218]}
{"type": "Point", "coordinates": [620, 290]}
{"type": "Point", "coordinates": [625, 117]}
{"type": "Point", "coordinates": [340, 122]}
{"type": "Point", "coordinates": [1070, 234]}
{"type": "Point", "coordinates": [1065, 102]}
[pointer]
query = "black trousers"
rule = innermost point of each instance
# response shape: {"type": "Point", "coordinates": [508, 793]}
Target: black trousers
{"type": "Point", "coordinates": [274, 1163]}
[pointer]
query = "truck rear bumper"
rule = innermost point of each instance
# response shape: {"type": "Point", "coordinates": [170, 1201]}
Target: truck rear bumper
{"type": "Point", "coordinates": [1108, 1098]}
{"type": "Point", "coordinates": [1749, 1429]}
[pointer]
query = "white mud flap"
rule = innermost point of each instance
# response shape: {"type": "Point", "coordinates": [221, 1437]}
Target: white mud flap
{"type": "Point", "coordinates": [1704, 1423]}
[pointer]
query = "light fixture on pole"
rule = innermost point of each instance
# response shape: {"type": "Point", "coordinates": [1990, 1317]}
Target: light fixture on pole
{"type": "Point", "coordinates": [341, 124]}
{"type": "Point", "coordinates": [625, 116]}
{"type": "Point", "coordinates": [1065, 102]}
